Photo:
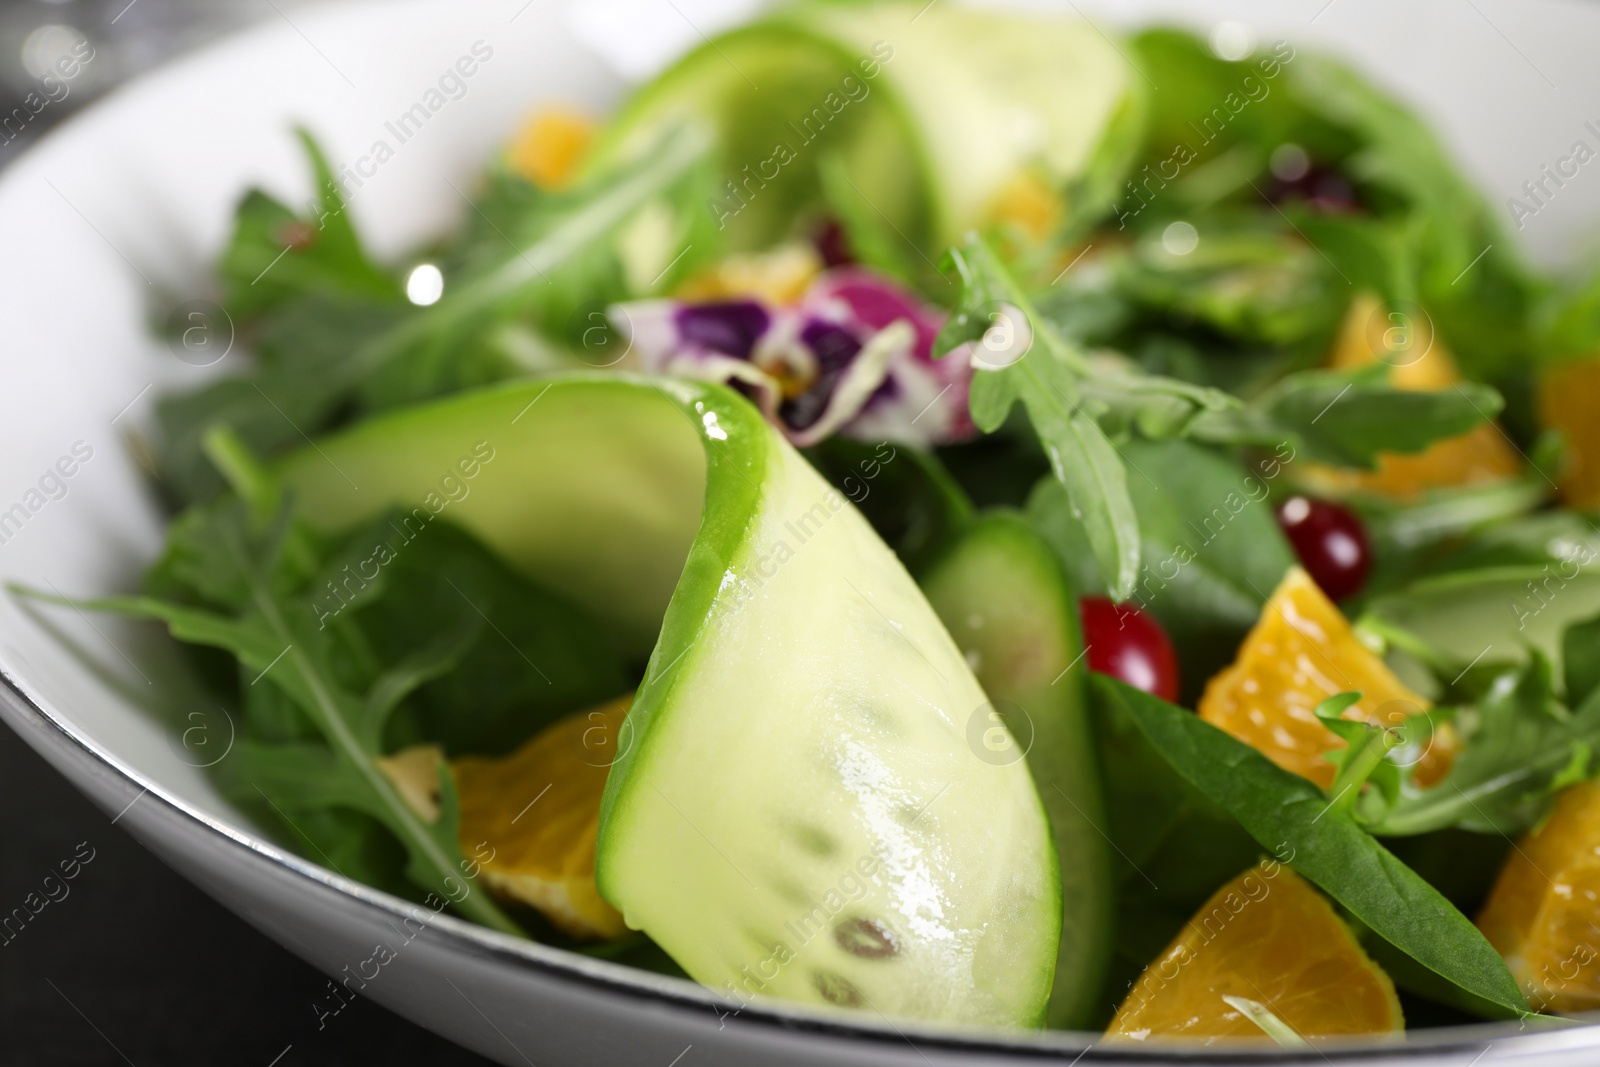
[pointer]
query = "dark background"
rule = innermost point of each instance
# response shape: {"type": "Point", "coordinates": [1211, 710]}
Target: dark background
{"type": "Point", "coordinates": [134, 965]}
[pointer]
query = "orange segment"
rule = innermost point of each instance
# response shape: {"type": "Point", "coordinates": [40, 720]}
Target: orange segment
{"type": "Point", "coordinates": [1543, 914]}
{"type": "Point", "coordinates": [780, 276]}
{"type": "Point", "coordinates": [1419, 361]}
{"type": "Point", "coordinates": [1300, 652]}
{"type": "Point", "coordinates": [529, 819]}
{"type": "Point", "coordinates": [1569, 395]}
{"type": "Point", "coordinates": [1266, 936]}
{"type": "Point", "coordinates": [1030, 204]}
{"type": "Point", "coordinates": [549, 147]}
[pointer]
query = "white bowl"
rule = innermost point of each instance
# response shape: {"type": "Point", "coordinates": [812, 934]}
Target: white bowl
{"type": "Point", "coordinates": [118, 215]}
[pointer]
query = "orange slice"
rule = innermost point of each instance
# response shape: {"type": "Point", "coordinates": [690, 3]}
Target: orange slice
{"type": "Point", "coordinates": [1028, 203]}
{"type": "Point", "coordinates": [1269, 937]}
{"type": "Point", "coordinates": [1569, 395]}
{"type": "Point", "coordinates": [549, 147]}
{"type": "Point", "coordinates": [1543, 914]}
{"type": "Point", "coordinates": [1300, 652]}
{"type": "Point", "coordinates": [1419, 361]}
{"type": "Point", "coordinates": [779, 276]}
{"type": "Point", "coordinates": [529, 819]}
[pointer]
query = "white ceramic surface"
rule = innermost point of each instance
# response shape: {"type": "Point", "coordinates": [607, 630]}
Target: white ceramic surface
{"type": "Point", "coordinates": [119, 213]}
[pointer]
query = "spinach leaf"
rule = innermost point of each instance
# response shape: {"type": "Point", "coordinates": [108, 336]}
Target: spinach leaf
{"type": "Point", "coordinates": [527, 656]}
{"type": "Point", "coordinates": [1174, 844]}
{"type": "Point", "coordinates": [1580, 660]}
{"type": "Point", "coordinates": [1290, 815]}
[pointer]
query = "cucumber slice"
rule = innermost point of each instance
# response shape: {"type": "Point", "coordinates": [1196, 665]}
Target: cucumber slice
{"type": "Point", "coordinates": [1004, 595]}
{"type": "Point", "coordinates": [798, 813]}
{"type": "Point", "coordinates": [933, 110]}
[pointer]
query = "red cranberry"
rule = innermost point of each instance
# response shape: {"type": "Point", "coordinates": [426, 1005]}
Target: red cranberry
{"type": "Point", "coordinates": [833, 245]}
{"type": "Point", "coordinates": [1321, 187]}
{"type": "Point", "coordinates": [1330, 542]}
{"type": "Point", "coordinates": [297, 235]}
{"type": "Point", "coordinates": [1129, 645]}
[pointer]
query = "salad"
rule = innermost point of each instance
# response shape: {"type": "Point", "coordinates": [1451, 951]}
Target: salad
{"type": "Point", "coordinates": [938, 514]}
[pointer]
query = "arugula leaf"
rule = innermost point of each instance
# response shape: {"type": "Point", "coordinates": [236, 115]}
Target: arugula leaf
{"type": "Point", "coordinates": [1084, 410]}
{"type": "Point", "coordinates": [332, 343]}
{"type": "Point", "coordinates": [1250, 277]}
{"type": "Point", "coordinates": [1373, 768]}
{"type": "Point", "coordinates": [1046, 381]}
{"type": "Point", "coordinates": [274, 637]}
{"type": "Point", "coordinates": [527, 656]}
{"type": "Point", "coordinates": [1521, 746]}
{"type": "Point", "coordinates": [1467, 270]}
{"type": "Point", "coordinates": [1498, 509]}
{"type": "Point", "coordinates": [1492, 615]}
{"type": "Point", "coordinates": [1289, 814]}
{"type": "Point", "coordinates": [1348, 418]}
{"type": "Point", "coordinates": [1268, 1023]}
{"type": "Point", "coordinates": [1067, 400]}
{"type": "Point", "coordinates": [276, 255]}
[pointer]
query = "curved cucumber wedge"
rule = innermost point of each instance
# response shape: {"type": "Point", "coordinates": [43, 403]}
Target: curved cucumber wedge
{"type": "Point", "coordinates": [798, 813]}
{"type": "Point", "coordinates": [1003, 593]}
{"type": "Point", "coordinates": [934, 109]}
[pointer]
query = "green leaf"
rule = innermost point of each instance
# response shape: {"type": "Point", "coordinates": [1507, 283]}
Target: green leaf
{"type": "Point", "coordinates": [272, 632]}
{"type": "Point", "coordinates": [1251, 278]}
{"type": "Point", "coordinates": [276, 255]}
{"type": "Point", "coordinates": [1348, 417]}
{"type": "Point", "coordinates": [296, 777]}
{"type": "Point", "coordinates": [1520, 746]}
{"type": "Point", "coordinates": [1366, 781]}
{"type": "Point", "coordinates": [1211, 549]}
{"type": "Point", "coordinates": [1045, 379]}
{"type": "Point", "coordinates": [433, 660]}
{"type": "Point", "coordinates": [1290, 815]}
{"type": "Point", "coordinates": [1492, 615]}
{"type": "Point", "coordinates": [533, 658]}
{"type": "Point", "coordinates": [1174, 844]}
{"type": "Point", "coordinates": [1580, 660]}
{"type": "Point", "coordinates": [522, 284]}
{"type": "Point", "coordinates": [1268, 1023]}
